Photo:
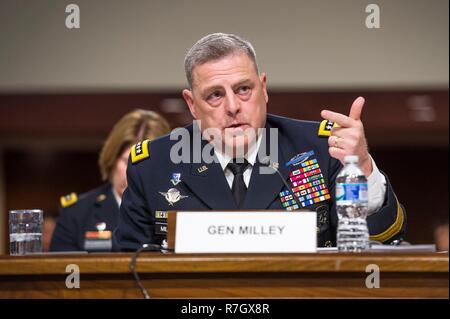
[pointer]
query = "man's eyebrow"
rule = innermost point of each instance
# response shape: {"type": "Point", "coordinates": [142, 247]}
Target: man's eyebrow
{"type": "Point", "coordinates": [242, 82]}
{"type": "Point", "coordinates": [210, 89]}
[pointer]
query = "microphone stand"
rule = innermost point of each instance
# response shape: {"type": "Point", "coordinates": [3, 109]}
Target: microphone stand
{"type": "Point", "coordinates": [266, 162]}
{"type": "Point", "coordinates": [144, 247]}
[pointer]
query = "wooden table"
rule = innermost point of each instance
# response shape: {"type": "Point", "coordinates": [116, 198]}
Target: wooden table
{"type": "Point", "coordinates": [321, 275]}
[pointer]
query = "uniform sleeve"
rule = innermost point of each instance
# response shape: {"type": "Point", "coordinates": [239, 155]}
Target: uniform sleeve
{"type": "Point", "coordinates": [376, 189]}
{"type": "Point", "coordinates": [65, 236]}
{"type": "Point", "coordinates": [388, 223]}
{"type": "Point", "coordinates": [135, 226]}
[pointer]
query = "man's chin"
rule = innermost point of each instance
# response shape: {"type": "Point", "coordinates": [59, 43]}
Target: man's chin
{"type": "Point", "coordinates": [236, 149]}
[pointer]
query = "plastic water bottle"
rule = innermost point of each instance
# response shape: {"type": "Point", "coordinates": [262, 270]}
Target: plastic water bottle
{"type": "Point", "coordinates": [351, 206]}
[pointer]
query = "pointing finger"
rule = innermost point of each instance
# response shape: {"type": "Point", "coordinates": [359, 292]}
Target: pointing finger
{"type": "Point", "coordinates": [341, 119]}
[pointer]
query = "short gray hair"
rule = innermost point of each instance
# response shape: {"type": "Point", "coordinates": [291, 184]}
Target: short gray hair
{"type": "Point", "coordinates": [215, 46]}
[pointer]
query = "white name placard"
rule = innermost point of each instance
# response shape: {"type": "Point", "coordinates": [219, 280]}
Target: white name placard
{"type": "Point", "coordinates": [246, 232]}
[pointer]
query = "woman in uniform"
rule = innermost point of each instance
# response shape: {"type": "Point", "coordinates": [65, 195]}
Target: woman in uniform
{"type": "Point", "coordinates": [86, 221]}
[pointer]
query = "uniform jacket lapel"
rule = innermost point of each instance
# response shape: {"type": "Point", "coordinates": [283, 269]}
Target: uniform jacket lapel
{"type": "Point", "coordinates": [264, 188]}
{"type": "Point", "coordinates": [105, 209]}
{"type": "Point", "coordinates": [210, 186]}
{"type": "Point", "coordinates": [208, 183]}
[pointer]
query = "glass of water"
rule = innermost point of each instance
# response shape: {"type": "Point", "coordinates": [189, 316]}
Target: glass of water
{"type": "Point", "coordinates": [25, 231]}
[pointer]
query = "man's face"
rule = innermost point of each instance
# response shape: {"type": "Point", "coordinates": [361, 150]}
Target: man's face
{"type": "Point", "coordinates": [228, 95]}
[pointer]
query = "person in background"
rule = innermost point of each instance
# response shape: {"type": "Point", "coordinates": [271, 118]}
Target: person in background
{"type": "Point", "coordinates": [86, 221]}
{"type": "Point", "coordinates": [47, 231]}
{"type": "Point", "coordinates": [441, 237]}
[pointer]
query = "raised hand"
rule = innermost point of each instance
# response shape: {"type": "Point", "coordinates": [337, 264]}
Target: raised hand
{"type": "Point", "coordinates": [349, 137]}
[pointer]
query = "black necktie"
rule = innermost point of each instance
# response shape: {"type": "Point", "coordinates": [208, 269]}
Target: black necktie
{"type": "Point", "coordinates": [238, 188]}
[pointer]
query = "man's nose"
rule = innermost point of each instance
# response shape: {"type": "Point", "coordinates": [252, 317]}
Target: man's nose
{"type": "Point", "coordinates": [232, 105]}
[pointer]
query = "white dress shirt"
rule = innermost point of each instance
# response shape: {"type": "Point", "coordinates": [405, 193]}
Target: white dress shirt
{"type": "Point", "coordinates": [224, 160]}
{"type": "Point", "coordinates": [376, 181]}
{"type": "Point", "coordinates": [376, 184]}
{"type": "Point", "coordinates": [117, 197]}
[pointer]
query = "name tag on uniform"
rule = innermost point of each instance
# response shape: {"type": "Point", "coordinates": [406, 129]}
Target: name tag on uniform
{"type": "Point", "coordinates": [98, 240]}
{"type": "Point", "coordinates": [246, 232]}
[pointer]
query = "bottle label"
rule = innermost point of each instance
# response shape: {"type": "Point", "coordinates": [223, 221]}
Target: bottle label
{"type": "Point", "coordinates": [347, 194]}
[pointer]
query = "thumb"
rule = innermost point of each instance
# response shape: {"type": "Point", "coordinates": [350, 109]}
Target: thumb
{"type": "Point", "coordinates": [356, 109]}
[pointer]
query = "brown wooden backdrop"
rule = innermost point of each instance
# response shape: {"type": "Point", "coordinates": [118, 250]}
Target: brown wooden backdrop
{"type": "Point", "coordinates": [50, 142]}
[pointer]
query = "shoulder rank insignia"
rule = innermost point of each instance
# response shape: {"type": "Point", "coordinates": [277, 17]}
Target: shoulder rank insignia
{"type": "Point", "coordinates": [68, 200]}
{"type": "Point", "coordinates": [140, 152]}
{"type": "Point", "coordinates": [325, 128]}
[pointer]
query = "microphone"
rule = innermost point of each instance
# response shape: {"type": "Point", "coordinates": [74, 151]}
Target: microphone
{"type": "Point", "coordinates": [265, 161]}
{"type": "Point", "coordinates": [132, 266]}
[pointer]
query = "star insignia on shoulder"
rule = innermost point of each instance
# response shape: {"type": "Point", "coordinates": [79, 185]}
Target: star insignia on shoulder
{"type": "Point", "coordinates": [325, 128]}
{"type": "Point", "coordinates": [68, 200]}
{"type": "Point", "coordinates": [140, 152]}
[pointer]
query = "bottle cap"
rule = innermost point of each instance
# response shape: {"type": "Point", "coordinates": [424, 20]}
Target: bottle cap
{"type": "Point", "coordinates": [351, 159]}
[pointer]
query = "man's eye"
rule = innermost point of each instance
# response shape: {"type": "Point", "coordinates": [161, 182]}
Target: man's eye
{"type": "Point", "coordinates": [243, 90]}
{"type": "Point", "coordinates": [214, 96]}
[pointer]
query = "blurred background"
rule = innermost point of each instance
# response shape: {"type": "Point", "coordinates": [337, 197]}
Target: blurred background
{"type": "Point", "coordinates": [61, 90]}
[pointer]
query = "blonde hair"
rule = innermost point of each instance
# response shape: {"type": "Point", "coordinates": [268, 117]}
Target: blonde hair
{"type": "Point", "coordinates": [131, 128]}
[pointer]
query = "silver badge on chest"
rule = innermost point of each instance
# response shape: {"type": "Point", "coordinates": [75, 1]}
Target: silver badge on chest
{"type": "Point", "coordinates": [172, 196]}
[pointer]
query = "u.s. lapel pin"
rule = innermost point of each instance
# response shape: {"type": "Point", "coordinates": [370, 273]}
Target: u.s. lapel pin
{"type": "Point", "coordinates": [202, 169]}
{"type": "Point", "coordinates": [173, 195]}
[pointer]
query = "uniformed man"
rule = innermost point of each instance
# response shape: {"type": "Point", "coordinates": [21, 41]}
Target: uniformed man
{"type": "Point", "coordinates": [228, 94]}
{"type": "Point", "coordinates": [86, 221]}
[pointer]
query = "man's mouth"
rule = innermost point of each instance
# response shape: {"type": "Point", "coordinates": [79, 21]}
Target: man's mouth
{"type": "Point", "coordinates": [242, 126]}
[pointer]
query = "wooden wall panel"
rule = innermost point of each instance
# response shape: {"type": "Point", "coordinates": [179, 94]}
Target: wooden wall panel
{"type": "Point", "coordinates": [391, 118]}
{"type": "Point", "coordinates": [47, 140]}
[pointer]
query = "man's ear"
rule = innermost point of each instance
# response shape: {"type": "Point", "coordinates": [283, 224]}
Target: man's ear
{"type": "Point", "coordinates": [189, 98]}
{"type": "Point", "coordinates": [263, 79]}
